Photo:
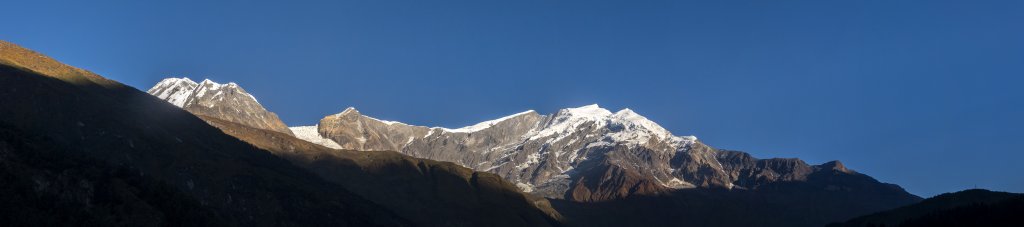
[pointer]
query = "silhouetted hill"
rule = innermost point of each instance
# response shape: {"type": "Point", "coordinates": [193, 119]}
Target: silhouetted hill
{"type": "Point", "coordinates": [976, 207]}
{"type": "Point", "coordinates": [1003, 213]}
{"type": "Point", "coordinates": [77, 148]}
{"type": "Point", "coordinates": [826, 196]}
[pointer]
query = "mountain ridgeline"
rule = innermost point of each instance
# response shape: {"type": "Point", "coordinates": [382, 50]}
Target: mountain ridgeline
{"type": "Point", "coordinates": [581, 154]}
{"type": "Point", "coordinates": [596, 164]}
{"type": "Point", "coordinates": [591, 163]}
{"type": "Point", "coordinates": [79, 149]}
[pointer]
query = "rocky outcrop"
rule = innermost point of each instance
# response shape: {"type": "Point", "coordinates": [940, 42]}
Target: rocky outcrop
{"type": "Point", "coordinates": [610, 181]}
{"type": "Point", "coordinates": [223, 101]}
{"type": "Point", "coordinates": [352, 130]}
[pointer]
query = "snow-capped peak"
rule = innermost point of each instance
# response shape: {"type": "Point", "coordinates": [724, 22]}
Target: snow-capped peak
{"type": "Point", "coordinates": [216, 85]}
{"type": "Point", "coordinates": [626, 126]}
{"type": "Point", "coordinates": [216, 89]}
{"type": "Point", "coordinates": [174, 90]}
{"type": "Point", "coordinates": [485, 124]}
{"type": "Point", "coordinates": [173, 81]}
{"type": "Point", "coordinates": [592, 111]}
{"type": "Point", "coordinates": [568, 120]}
{"type": "Point", "coordinates": [626, 112]}
{"type": "Point", "coordinates": [630, 120]}
{"type": "Point", "coordinates": [179, 91]}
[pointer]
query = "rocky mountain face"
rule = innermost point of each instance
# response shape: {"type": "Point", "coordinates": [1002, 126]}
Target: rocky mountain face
{"type": "Point", "coordinates": [584, 154]}
{"type": "Point", "coordinates": [593, 162]}
{"type": "Point", "coordinates": [223, 101]}
{"type": "Point", "coordinates": [427, 192]}
{"type": "Point", "coordinates": [78, 149]}
{"type": "Point", "coordinates": [539, 153]}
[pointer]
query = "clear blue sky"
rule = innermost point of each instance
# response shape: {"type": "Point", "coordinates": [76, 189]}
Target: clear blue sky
{"type": "Point", "coordinates": [925, 94]}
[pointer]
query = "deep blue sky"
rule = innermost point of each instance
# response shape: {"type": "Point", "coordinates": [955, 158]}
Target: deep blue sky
{"type": "Point", "coordinates": [925, 94]}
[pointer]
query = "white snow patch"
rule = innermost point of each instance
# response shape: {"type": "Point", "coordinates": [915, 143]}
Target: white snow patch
{"type": "Point", "coordinates": [388, 122]}
{"type": "Point", "coordinates": [525, 187]}
{"type": "Point", "coordinates": [253, 98]}
{"type": "Point", "coordinates": [174, 90]}
{"type": "Point", "coordinates": [485, 124]}
{"type": "Point", "coordinates": [599, 144]}
{"type": "Point", "coordinates": [353, 109]}
{"type": "Point", "coordinates": [677, 183]}
{"type": "Point", "coordinates": [310, 133]}
{"type": "Point", "coordinates": [495, 167]}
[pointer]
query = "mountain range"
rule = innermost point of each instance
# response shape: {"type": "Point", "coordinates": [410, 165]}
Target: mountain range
{"type": "Point", "coordinates": [585, 155]}
{"type": "Point", "coordinates": [77, 148]}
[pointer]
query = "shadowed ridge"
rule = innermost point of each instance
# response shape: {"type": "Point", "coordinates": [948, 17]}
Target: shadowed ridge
{"type": "Point", "coordinates": [957, 203]}
{"type": "Point", "coordinates": [134, 133]}
{"type": "Point", "coordinates": [17, 56]}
